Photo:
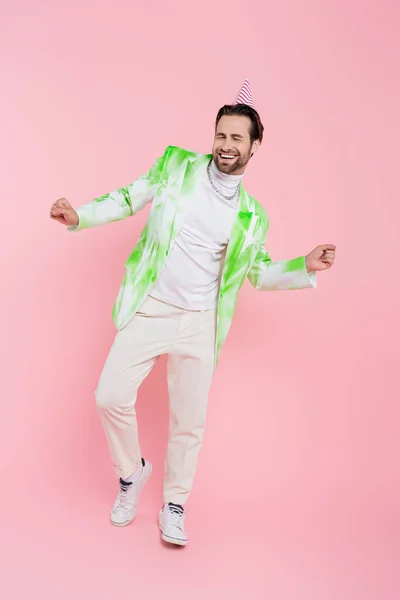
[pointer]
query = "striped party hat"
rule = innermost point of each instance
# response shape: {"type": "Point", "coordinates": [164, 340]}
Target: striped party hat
{"type": "Point", "coordinates": [245, 96]}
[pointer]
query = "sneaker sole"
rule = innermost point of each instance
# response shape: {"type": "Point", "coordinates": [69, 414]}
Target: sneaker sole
{"type": "Point", "coordinates": [143, 483]}
{"type": "Point", "coordinates": [173, 541]}
{"type": "Point", "coordinates": [122, 524]}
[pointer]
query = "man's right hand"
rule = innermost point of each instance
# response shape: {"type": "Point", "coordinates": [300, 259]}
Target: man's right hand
{"type": "Point", "coordinates": [63, 212]}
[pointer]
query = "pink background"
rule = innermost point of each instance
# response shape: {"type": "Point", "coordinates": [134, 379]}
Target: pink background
{"type": "Point", "coordinates": [298, 488]}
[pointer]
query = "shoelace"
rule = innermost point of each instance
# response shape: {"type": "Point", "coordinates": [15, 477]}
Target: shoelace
{"type": "Point", "coordinates": [123, 495]}
{"type": "Point", "coordinates": [175, 509]}
{"type": "Point", "coordinates": [175, 516]}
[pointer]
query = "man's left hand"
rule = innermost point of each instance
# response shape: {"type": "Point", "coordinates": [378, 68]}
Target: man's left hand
{"type": "Point", "coordinates": [321, 258]}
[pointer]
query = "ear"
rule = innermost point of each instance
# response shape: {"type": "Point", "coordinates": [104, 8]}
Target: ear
{"type": "Point", "coordinates": [255, 146]}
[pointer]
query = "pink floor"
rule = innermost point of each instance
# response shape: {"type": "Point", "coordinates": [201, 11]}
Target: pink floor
{"type": "Point", "coordinates": [57, 542]}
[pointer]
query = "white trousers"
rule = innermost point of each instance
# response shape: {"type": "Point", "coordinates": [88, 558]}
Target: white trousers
{"type": "Point", "coordinates": [188, 338]}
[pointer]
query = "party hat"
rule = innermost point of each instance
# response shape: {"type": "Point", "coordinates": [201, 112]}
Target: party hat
{"type": "Point", "coordinates": [245, 96]}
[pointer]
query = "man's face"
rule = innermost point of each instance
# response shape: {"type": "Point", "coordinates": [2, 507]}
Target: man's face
{"type": "Point", "coordinates": [232, 148]}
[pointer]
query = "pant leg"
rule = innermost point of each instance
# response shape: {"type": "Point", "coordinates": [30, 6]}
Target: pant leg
{"type": "Point", "coordinates": [132, 356]}
{"type": "Point", "coordinates": [191, 365]}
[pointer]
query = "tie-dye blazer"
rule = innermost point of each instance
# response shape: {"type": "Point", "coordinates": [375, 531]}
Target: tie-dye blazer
{"type": "Point", "coordinates": [170, 185]}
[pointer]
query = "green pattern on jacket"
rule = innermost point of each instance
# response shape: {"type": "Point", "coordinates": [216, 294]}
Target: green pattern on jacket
{"type": "Point", "coordinates": [170, 185]}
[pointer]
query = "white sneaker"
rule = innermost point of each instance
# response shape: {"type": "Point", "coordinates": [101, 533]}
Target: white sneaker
{"type": "Point", "coordinates": [172, 524]}
{"type": "Point", "coordinates": [125, 506]}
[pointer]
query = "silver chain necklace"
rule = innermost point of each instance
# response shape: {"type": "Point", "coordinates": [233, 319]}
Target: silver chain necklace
{"type": "Point", "coordinates": [215, 187]}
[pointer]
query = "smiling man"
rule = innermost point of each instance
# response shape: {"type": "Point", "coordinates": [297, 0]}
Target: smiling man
{"type": "Point", "coordinates": [204, 236]}
{"type": "Point", "coordinates": [231, 149]}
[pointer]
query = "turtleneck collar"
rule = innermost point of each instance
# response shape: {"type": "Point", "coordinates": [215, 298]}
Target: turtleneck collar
{"type": "Point", "coordinates": [229, 182]}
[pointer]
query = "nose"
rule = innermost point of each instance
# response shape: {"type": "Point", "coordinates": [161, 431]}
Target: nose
{"type": "Point", "coordinates": [227, 147]}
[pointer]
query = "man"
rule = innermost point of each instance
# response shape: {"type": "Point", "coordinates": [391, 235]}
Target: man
{"type": "Point", "coordinates": [204, 235]}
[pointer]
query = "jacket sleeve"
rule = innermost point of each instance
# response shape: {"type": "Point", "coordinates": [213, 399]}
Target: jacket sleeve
{"type": "Point", "coordinates": [266, 275]}
{"type": "Point", "coordinates": [123, 202]}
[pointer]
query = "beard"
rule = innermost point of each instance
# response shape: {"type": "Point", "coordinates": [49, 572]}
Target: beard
{"type": "Point", "coordinates": [231, 166]}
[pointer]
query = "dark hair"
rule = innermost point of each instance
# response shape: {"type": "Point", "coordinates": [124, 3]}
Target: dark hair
{"type": "Point", "coordinates": [256, 129]}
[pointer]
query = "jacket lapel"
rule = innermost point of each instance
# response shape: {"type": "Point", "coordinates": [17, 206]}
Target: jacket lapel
{"type": "Point", "coordinates": [240, 230]}
{"type": "Point", "coordinates": [184, 185]}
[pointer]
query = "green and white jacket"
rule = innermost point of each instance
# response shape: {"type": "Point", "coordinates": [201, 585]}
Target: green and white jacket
{"type": "Point", "coordinates": [170, 185]}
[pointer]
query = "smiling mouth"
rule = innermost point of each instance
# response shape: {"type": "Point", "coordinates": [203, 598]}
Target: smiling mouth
{"type": "Point", "coordinates": [227, 156]}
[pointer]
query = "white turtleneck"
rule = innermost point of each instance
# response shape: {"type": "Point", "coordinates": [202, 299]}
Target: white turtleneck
{"type": "Point", "coordinates": [191, 275]}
